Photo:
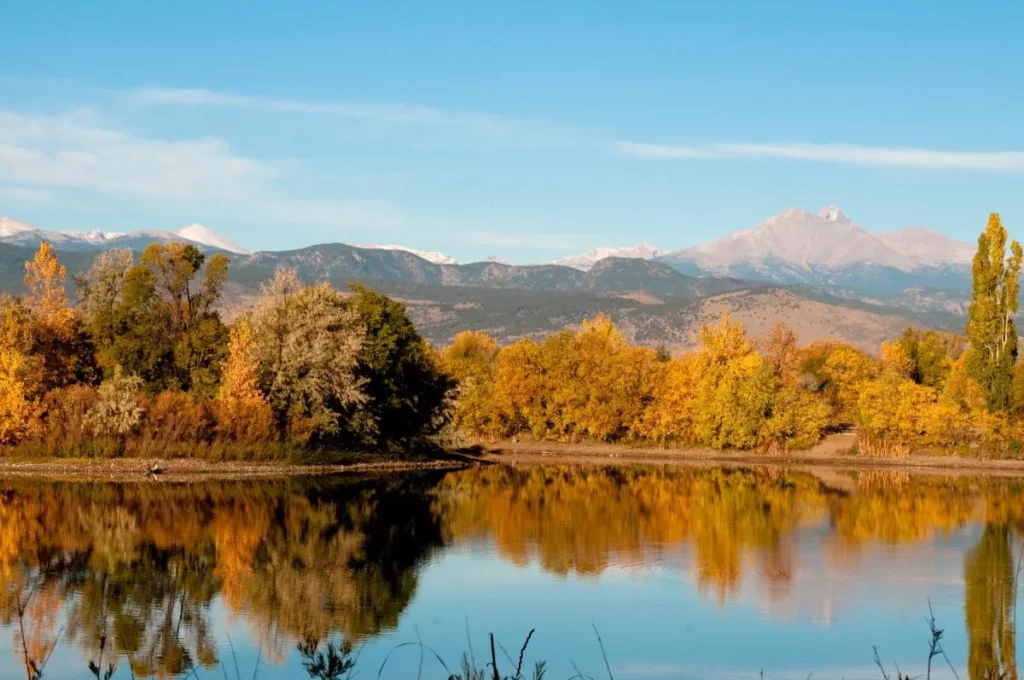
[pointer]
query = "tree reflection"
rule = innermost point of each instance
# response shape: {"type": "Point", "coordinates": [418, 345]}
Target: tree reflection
{"type": "Point", "coordinates": [132, 570]}
{"type": "Point", "coordinates": [989, 605]}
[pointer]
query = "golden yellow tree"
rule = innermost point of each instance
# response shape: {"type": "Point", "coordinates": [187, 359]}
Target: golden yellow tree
{"type": "Point", "coordinates": [45, 279]}
{"type": "Point", "coordinates": [670, 414]}
{"type": "Point", "coordinates": [240, 373]}
{"type": "Point", "coordinates": [243, 412]}
{"type": "Point", "coordinates": [734, 388]}
{"type": "Point", "coordinates": [56, 337]}
{"type": "Point", "coordinates": [472, 360]}
{"type": "Point", "coordinates": [17, 409]}
{"type": "Point", "coordinates": [844, 370]}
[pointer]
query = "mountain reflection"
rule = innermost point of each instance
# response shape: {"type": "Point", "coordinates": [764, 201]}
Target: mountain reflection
{"type": "Point", "coordinates": [129, 573]}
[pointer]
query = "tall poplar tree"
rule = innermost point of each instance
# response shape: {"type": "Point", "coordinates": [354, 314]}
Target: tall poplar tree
{"type": "Point", "coordinates": [990, 328]}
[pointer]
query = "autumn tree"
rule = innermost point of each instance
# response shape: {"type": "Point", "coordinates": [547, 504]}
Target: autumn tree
{"type": "Point", "coordinates": [991, 331]}
{"type": "Point", "coordinates": [471, 359]}
{"type": "Point", "coordinates": [931, 354]}
{"type": "Point", "coordinates": [57, 338]}
{"type": "Point", "coordinates": [18, 410]}
{"type": "Point", "coordinates": [306, 344]}
{"type": "Point", "coordinates": [522, 388]}
{"type": "Point", "coordinates": [842, 371]}
{"type": "Point", "coordinates": [243, 412]}
{"type": "Point", "coordinates": [734, 387]}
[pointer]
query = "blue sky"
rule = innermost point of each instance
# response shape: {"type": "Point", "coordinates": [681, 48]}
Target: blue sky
{"type": "Point", "coordinates": [528, 130]}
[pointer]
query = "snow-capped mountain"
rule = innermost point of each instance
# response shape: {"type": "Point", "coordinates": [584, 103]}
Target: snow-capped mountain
{"type": "Point", "coordinates": [584, 262]}
{"type": "Point", "coordinates": [927, 248]}
{"type": "Point", "coordinates": [828, 248]}
{"type": "Point", "coordinates": [429, 256]}
{"type": "Point", "coordinates": [10, 227]}
{"type": "Point", "coordinates": [20, 233]}
{"type": "Point", "coordinates": [198, 233]}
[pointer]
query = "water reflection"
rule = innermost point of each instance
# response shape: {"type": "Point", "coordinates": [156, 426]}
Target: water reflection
{"type": "Point", "coordinates": [130, 575]}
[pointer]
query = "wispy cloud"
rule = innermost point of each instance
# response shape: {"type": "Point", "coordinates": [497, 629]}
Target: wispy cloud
{"type": "Point", "coordinates": [41, 154]}
{"type": "Point", "coordinates": [74, 151]}
{"type": "Point", "coordinates": [477, 122]}
{"type": "Point", "coordinates": [851, 154]}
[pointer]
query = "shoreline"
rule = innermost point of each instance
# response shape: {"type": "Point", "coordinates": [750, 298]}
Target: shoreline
{"type": "Point", "coordinates": [197, 470]}
{"type": "Point", "coordinates": [831, 452]}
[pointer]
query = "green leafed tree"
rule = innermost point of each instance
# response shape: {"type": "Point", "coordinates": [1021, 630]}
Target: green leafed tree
{"type": "Point", "coordinates": [157, 319]}
{"type": "Point", "coordinates": [407, 390]}
{"type": "Point", "coordinates": [991, 331]}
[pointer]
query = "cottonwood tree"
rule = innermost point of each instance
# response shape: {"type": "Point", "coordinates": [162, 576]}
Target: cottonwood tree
{"type": "Point", "coordinates": [991, 331]}
{"type": "Point", "coordinates": [307, 341]}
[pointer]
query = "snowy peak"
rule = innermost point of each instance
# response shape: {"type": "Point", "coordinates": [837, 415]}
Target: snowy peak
{"type": "Point", "coordinates": [799, 238]}
{"type": "Point", "coordinates": [203, 235]}
{"type": "Point", "coordinates": [19, 233]}
{"type": "Point", "coordinates": [799, 245]}
{"type": "Point", "coordinates": [927, 248]}
{"type": "Point", "coordinates": [587, 260]}
{"type": "Point", "coordinates": [429, 256]}
{"type": "Point", "coordinates": [10, 227]}
{"type": "Point", "coordinates": [833, 213]}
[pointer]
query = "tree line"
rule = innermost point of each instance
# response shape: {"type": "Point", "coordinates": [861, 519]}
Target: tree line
{"type": "Point", "coordinates": [144, 364]}
{"type": "Point", "coordinates": [924, 390]}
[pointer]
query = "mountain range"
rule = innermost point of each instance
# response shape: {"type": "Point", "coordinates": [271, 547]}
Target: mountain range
{"type": "Point", "coordinates": [818, 271]}
{"type": "Point", "coordinates": [22, 234]}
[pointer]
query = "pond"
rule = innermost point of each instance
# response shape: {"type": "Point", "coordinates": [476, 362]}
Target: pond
{"type": "Point", "coordinates": [685, 572]}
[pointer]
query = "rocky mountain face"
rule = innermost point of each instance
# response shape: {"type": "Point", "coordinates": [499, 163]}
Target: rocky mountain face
{"type": "Point", "coordinates": [829, 249]}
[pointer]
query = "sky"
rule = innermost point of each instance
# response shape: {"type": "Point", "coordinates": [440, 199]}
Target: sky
{"type": "Point", "coordinates": [525, 130]}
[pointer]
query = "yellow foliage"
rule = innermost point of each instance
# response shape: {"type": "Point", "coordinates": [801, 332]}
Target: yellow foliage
{"type": "Point", "coordinates": [18, 413]}
{"type": "Point", "coordinates": [472, 360]}
{"type": "Point", "coordinates": [590, 384]}
{"type": "Point", "coordinates": [239, 383]}
{"type": "Point", "coordinates": [895, 413]}
{"type": "Point", "coordinates": [242, 411]}
{"type": "Point", "coordinates": [895, 359]}
{"type": "Point", "coordinates": [845, 369]}
{"type": "Point", "coordinates": [734, 388]}
{"type": "Point", "coordinates": [674, 400]}
{"type": "Point", "coordinates": [45, 279]}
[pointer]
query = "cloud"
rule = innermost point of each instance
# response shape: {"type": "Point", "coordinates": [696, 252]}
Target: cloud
{"type": "Point", "coordinates": [488, 124]}
{"type": "Point", "coordinates": [41, 154]}
{"type": "Point", "coordinates": [850, 154]}
{"type": "Point", "coordinates": [73, 151]}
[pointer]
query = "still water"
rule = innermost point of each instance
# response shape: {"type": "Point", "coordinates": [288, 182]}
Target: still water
{"type": "Point", "coordinates": [685, 572]}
